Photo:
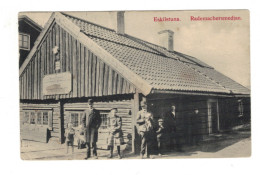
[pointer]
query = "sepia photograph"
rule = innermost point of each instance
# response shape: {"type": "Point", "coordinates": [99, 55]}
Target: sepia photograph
{"type": "Point", "coordinates": [105, 85]}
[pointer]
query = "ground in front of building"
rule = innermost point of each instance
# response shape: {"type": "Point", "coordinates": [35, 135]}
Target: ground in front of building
{"type": "Point", "coordinates": [225, 145]}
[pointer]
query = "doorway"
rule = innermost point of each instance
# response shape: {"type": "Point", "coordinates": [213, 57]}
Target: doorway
{"type": "Point", "coordinates": [213, 116]}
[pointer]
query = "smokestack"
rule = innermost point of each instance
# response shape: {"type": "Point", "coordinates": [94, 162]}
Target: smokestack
{"type": "Point", "coordinates": [166, 39]}
{"type": "Point", "coordinates": [120, 23]}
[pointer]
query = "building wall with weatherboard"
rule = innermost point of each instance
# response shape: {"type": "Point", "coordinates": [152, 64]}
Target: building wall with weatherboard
{"type": "Point", "coordinates": [124, 106]}
{"type": "Point", "coordinates": [33, 129]}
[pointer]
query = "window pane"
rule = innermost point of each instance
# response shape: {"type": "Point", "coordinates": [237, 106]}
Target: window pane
{"type": "Point", "coordinates": [20, 44]}
{"type": "Point", "coordinates": [25, 44]}
{"type": "Point", "coordinates": [20, 37]}
{"type": "Point", "coordinates": [104, 120]}
{"type": "Point", "coordinates": [26, 117]}
{"type": "Point", "coordinates": [75, 119]}
{"type": "Point", "coordinates": [25, 38]}
{"type": "Point", "coordinates": [32, 119]}
{"type": "Point", "coordinates": [45, 118]}
{"type": "Point", "coordinates": [39, 118]}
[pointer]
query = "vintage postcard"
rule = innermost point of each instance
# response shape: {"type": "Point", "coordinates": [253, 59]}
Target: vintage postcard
{"type": "Point", "coordinates": [134, 85]}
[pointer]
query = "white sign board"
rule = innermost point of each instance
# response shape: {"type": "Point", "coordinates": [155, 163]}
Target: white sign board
{"type": "Point", "coordinates": [59, 83]}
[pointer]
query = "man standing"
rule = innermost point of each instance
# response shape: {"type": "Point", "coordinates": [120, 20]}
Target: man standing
{"type": "Point", "coordinates": [145, 127]}
{"type": "Point", "coordinates": [195, 126]}
{"type": "Point", "coordinates": [91, 121]}
{"type": "Point", "coordinates": [171, 129]}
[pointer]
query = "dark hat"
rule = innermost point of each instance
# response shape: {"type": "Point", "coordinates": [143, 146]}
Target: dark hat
{"type": "Point", "coordinates": [143, 103]}
{"type": "Point", "coordinates": [114, 109]}
{"type": "Point", "coordinates": [160, 120]}
{"type": "Point", "coordinates": [90, 101]}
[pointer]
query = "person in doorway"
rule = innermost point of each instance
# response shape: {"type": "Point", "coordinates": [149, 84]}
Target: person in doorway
{"type": "Point", "coordinates": [91, 121]}
{"type": "Point", "coordinates": [160, 136]}
{"type": "Point", "coordinates": [172, 130]}
{"type": "Point", "coordinates": [115, 137]}
{"type": "Point", "coordinates": [144, 122]}
{"type": "Point", "coordinates": [69, 133]}
{"type": "Point", "coordinates": [195, 126]}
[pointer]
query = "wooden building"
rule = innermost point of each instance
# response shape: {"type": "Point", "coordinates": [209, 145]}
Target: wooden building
{"type": "Point", "coordinates": [28, 33]}
{"type": "Point", "coordinates": [74, 60]}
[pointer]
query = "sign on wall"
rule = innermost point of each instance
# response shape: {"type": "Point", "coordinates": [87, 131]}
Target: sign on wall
{"type": "Point", "coordinates": [59, 83]}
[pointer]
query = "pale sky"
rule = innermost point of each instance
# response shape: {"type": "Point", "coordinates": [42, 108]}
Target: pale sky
{"type": "Point", "coordinates": [222, 44]}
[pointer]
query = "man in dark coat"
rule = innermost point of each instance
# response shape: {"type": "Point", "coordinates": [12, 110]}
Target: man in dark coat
{"type": "Point", "coordinates": [172, 134]}
{"type": "Point", "coordinates": [91, 121]}
{"type": "Point", "coordinates": [195, 126]}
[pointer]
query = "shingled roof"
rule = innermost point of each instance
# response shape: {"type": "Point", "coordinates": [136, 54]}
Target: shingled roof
{"type": "Point", "coordinates": [157, 67]}
{"type": "Point", "coordinates": [164, 70]}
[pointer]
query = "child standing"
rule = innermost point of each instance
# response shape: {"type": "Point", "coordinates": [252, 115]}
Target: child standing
{"type": "Point", "coordinates": [160, 135]}
{"type": "Point", "coordinates": [115, 137]}
{"type": "Point", "coordinates": [69, 133]}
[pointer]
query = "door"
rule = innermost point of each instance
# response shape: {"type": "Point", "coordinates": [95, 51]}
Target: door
{"type": "Point", "coordinates": [213, 117]}
{"type": "Point", "coordinates": [103, 130]}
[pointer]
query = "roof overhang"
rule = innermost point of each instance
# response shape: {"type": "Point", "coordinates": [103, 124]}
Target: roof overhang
{"type": "Point", "coordinates": [154, 91]}
{"type": "Point", "coordinates": [30, 22]}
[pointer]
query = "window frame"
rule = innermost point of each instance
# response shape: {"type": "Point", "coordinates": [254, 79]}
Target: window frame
{"type": "Point", "coordinates": [36, 112]}
{"type": "Point", "coordinates": [240, 108]}
{"type": "Point", "coordinates": [80, 113]}
{"type": "Point", "coordinates": [28, 42]}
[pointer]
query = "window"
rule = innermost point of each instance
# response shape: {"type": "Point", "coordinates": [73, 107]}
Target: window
{"type": "Point", "coordinates": [240, 108]}
{"type": "Point", "coordinates": [45, 120]}
{"type": "Point", "coordinates": [39, 118]}
{"type": "Point", "coordinates": [74, 119]}
{"type": "Point", "coordinates": [104, 119]}
{"type": "Point", "coordinates": [32, 118]}
{"type": "Point", "coordinates": [24, 41]}
{"type": "Point", "coordinates": [26, 117]}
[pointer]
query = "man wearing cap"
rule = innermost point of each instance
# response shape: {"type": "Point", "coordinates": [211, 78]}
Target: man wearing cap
{"type": "Point", "coordinates": [144, 127]}
{"type": "Point", "coordinates": [91, 121]}
{"type": "Point", "coordinates": [171, 127]}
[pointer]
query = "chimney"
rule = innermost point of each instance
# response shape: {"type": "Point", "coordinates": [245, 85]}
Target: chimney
{"type": "Point", "coordinates": [120, 26]}
{"type": "Point", "coordinates": [166, 39]}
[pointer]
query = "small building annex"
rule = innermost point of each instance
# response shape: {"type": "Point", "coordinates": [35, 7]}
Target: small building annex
{"type": "Point", "coordinates": [74, 60]}
{"type": "Point", "coordinates": [28, 33]}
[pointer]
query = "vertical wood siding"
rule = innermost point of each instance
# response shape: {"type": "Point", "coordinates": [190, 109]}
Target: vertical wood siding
{"type": "Point", "coordinates": [90, 76]}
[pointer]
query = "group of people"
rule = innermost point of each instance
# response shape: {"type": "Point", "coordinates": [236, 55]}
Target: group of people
{"type": "Point", "coordinates": [149, 131]}
{"type": "Point", "coordinates": [91, 122]}
{"type": "Point", "coordinates": [166, 132]}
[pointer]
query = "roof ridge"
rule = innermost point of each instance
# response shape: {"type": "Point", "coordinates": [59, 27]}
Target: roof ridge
{"type": "Point", "coordinates": [135, 39]}
{"type": "Point", "coordinates": [160, 54]}
{"type": "Point", "coordinates": [84, 20]}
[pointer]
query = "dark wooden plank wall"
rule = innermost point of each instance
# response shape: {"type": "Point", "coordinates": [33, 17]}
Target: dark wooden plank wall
{"type": "Point", "coordinates": [91, 76]}
{"type": "Point", "coordinates": [184, 108]}
{"type": "Point", "coordinates": [124, 107]}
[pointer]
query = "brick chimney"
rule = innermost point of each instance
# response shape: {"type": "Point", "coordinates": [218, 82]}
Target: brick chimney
{"type": "Point", "coordinates": [166, 39]}
{"type": "Point", "coordinates": [120, 23]}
